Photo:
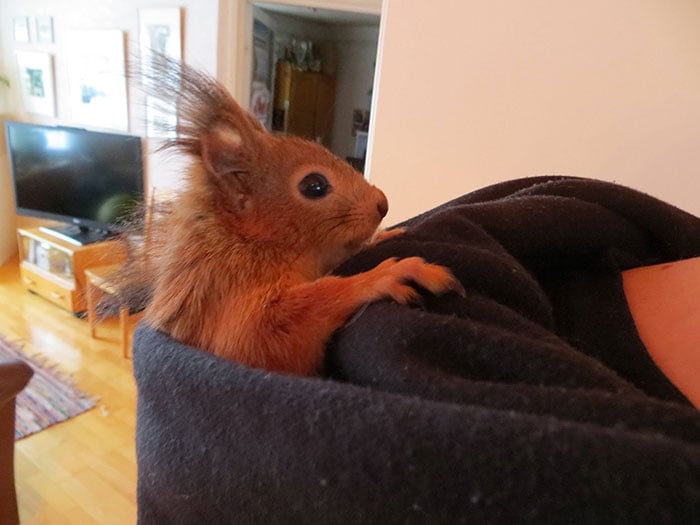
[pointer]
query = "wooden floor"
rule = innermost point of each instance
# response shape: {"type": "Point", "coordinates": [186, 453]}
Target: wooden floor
{"type": "Point", "coordinates": [82, 470]}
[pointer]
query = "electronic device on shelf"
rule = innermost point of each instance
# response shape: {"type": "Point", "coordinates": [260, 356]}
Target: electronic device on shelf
{"type": "Point", "coordinates": [89, 180]}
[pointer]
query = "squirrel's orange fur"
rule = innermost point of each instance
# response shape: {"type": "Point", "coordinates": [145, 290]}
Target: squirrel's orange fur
{"type": "Point", "coordinates": [239, 264]}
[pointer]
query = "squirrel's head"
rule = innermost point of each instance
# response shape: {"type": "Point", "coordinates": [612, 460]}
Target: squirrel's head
{"type": "Point", "coordinates": [270, 188]}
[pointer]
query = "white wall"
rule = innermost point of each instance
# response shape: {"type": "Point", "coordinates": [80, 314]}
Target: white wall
{"type": "Point", "coordinates": [200, 49]}
{"type": "Point", "coordinates": [476, 92]}
{"type": "Point", "coordinates": [8, 238]}
{"type": "Point", "coordinates": [199, 29]}
{"type": "Point", "coordinates": [357, 53]}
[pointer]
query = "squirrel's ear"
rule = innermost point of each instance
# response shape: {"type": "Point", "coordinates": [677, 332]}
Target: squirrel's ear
{"type": "Point", "coordinates": [226, 149]}
{"type": "Point", "coordinates": [226, 152]}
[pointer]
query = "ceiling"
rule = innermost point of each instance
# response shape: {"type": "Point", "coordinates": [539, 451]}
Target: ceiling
{"type": "Point", "coordinates": [324, 16]}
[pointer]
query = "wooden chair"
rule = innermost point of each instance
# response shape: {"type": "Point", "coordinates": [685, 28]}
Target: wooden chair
{"type": "Point", "coordinates": [98, 284]}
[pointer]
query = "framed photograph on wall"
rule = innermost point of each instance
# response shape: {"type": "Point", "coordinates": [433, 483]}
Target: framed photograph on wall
{"type": "Point", "coordinates": [261, 84]}
{"type": "Point", "coordinates": [21, 29]}
{"type": "Point", "coordinates": [37, 82]}
{"type": "Point", "coordinates": [97, 79]}
{"type": "Point", "coordinates": [160, 31]}
{"type": "Point", "coordinates": [160, 34]}
{"type": "Point", "coordinates": [44, 29]}
{"type": "Point", "coordinates": [161, 118]}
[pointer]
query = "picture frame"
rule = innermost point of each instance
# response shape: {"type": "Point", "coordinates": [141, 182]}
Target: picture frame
{"type": "Point", "coordinates": [97, 78]}
{"type": "Point", "coordinates": [261, 83]}
{"type": "Point", "coordinates": [160, 30]}
{"type": "Point", "coordinates": [161, 118]}
{"type": "Point", "coordinates": [160, 33]}
{"type": "Point", "coordinates": [36, 78]}
{"type": "Point", "coordinates": [44, 29]}
{"type": "Point", "coordinates": [20, 25]}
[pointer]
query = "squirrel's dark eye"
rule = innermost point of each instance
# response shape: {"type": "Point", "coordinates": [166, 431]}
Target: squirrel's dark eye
{"type": "Point", "coordinates": [314, 186]}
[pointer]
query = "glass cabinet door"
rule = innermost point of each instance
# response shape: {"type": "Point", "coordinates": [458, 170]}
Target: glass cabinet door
{"type": "Point", "coordinates": [47, 257]}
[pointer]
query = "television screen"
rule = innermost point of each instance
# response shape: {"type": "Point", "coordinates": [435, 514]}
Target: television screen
{"type": "Point", "coordinates": [87, 178]}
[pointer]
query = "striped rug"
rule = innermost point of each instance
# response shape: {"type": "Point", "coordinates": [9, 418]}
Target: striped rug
{"type": "Point", "coordinates": [49, 398]}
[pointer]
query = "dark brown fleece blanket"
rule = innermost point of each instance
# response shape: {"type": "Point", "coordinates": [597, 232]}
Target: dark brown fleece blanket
{"type": "Point", "coordinates": [530, 400]}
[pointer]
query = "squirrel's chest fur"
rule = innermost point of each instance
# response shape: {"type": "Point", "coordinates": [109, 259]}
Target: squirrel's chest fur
{"type": "Point", "coordinates": [223, 294]}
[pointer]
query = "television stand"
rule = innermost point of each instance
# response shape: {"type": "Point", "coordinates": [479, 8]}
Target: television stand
{"type": "Point", "coordinates": [77, 235]}
{"type": "Point", "coordinates": [55, 269]}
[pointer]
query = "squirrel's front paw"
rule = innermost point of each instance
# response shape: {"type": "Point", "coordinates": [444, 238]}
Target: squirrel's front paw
{"type": "Point", "coordinates": [399, 273]}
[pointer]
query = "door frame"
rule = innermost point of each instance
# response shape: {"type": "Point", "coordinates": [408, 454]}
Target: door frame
{"type": "Point", "coordinates": [235, 37]}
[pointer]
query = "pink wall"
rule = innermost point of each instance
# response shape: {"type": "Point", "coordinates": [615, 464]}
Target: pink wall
{"type": "Point", "coordinates": [480, 91]}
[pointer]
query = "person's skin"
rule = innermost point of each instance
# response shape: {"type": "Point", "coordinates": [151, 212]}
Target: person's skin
{"type": "Point", "coordinates": [664, 300]}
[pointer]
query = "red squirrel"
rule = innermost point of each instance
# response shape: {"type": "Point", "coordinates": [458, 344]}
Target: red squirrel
{"type": "Point", "coordinates": [239, 265]}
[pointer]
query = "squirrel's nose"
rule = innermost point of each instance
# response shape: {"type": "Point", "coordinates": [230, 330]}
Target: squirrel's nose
{"type": "Point", "coordinates": [382, 205]}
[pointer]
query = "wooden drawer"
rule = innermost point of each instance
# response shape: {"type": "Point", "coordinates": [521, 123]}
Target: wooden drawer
{"type": "Point", "coordinates": [62, 296]}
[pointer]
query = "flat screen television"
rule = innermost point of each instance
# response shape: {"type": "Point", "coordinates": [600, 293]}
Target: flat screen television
{"type": "Point", "coordinates": [89, 180]}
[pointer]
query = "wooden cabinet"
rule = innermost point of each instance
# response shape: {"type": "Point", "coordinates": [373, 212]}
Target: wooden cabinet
{"type": "Point", "coordinates": [304, 102]}
{"type": "Point", "coordinates": [55, 269]}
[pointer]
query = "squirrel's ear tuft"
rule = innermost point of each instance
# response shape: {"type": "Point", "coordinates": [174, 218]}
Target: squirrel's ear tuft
{"type": "Point", "coordinates": [226, 149]}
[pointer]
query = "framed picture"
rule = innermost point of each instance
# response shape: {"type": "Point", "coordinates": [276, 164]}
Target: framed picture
{"type": "Point", "coordinates": [21, 29]}
{"type": "Point", "coordinates": [160, 33]}
{"type": "Point", "coordinates": [44, 29]}
{"type": "Point", "coordinates": [37, 82]}
{"type": "Point", "coordinates": [161, 118]}
{"type": "Point", "coordinates": [261, 85]}
{"type": "Point", "coordinates": [97, 79]}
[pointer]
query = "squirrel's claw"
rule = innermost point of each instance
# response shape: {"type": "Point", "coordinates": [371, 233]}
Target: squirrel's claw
{"type": "Point", "coordinates": [383, 235]}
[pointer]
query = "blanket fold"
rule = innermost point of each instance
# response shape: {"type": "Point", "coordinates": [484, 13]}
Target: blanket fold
{"type": "Point", "coordinates": [531, 400]}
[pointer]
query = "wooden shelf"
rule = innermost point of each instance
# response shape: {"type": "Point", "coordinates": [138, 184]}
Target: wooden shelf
{"type": "Point", "coordinates": [55, 269]}
{"type": "Point", "coordinates": [303, 104]}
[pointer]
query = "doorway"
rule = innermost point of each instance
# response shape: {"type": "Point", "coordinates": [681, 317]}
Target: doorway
{"type": "Point", "coordinates": [312, 74]}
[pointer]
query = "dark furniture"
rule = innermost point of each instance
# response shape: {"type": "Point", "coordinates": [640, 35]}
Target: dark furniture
{"type": "Point", "coordinates": [14, 376]}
